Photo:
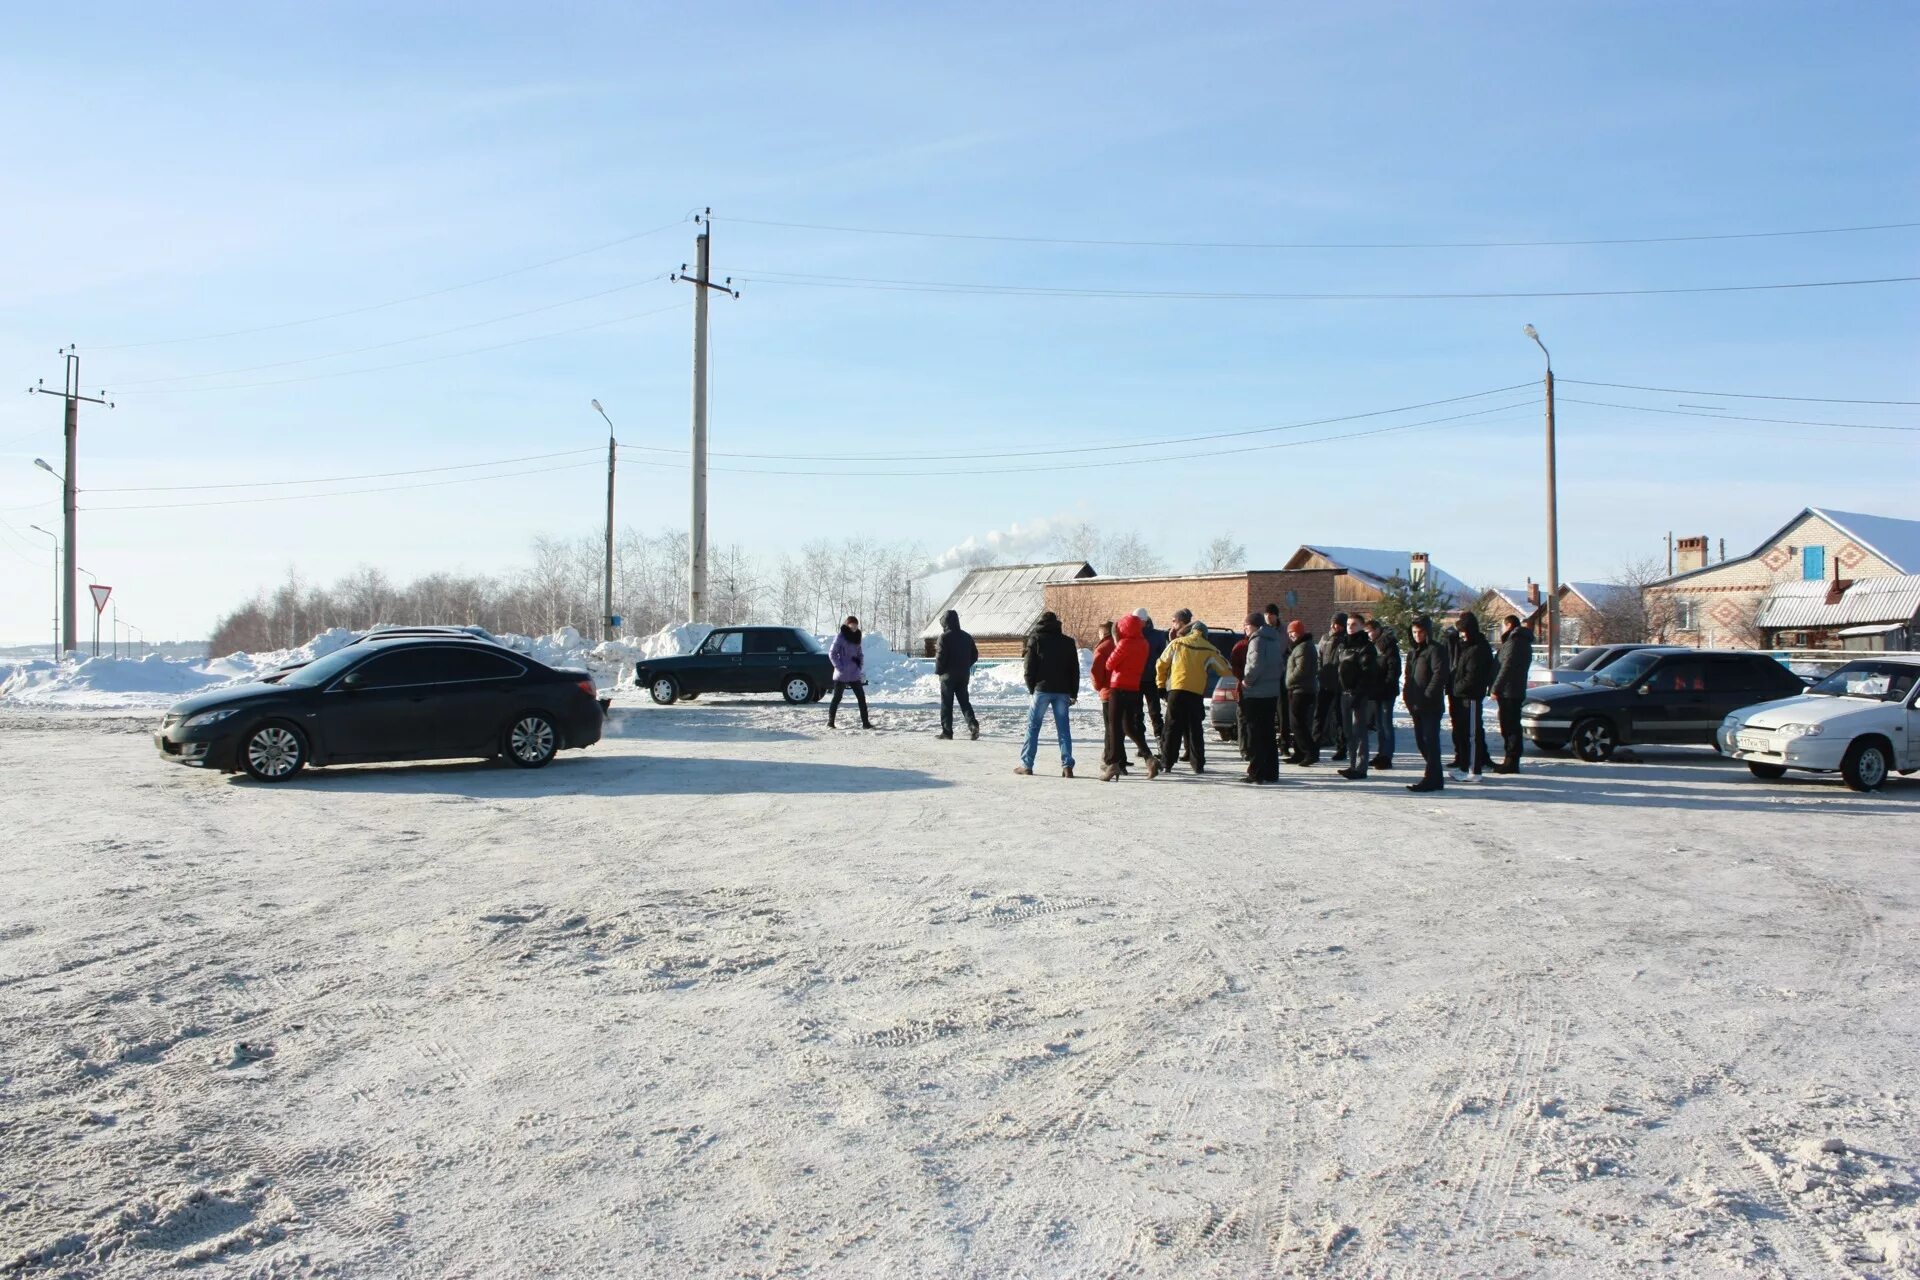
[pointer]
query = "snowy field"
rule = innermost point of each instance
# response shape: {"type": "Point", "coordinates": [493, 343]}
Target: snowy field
{"type": "Point", "coordinates": [731, 995]}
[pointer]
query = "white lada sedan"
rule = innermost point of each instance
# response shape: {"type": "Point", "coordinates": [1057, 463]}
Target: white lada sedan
{"type": "Point", "coordinates": [1861, 721]}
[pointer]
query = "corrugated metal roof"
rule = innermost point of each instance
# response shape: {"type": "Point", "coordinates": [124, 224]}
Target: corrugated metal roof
{"type": "Point", "coordinates": [1004, 600]}
{"type": "Point", "coordinates": [1803, 604]}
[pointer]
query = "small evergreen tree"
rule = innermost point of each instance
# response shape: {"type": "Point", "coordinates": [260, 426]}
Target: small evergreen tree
{"type": "Point", "coordinates": [1402, 601]}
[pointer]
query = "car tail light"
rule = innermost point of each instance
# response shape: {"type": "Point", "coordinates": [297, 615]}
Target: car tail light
{"type": "Point", "coordinates": [1224, 691]}
{"type": "Point", "coordinates": [586, 687]}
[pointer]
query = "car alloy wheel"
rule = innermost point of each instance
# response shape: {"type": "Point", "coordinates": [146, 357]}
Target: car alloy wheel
{"type": "Point", "coordinates": [797, 690]}
{"type": "Point", "coordinates": [274, 753]}
{"type": "Point", "coordinates": [1593, 740]}
{"type": "Point", "coordinates": [664, 690]}
{"type": "Point", "coordinates": [531, 741]}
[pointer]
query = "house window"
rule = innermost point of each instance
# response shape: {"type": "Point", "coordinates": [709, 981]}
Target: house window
{"type": "Point", "coordinates": [1813, 563]}
{"type": "Point", "coordinates": [1683, 616]}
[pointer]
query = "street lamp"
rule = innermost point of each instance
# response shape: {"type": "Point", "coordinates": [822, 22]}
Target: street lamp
{"type": "Point", "coordinates": [42, 464]}
{"type": "Point", "coordinates": [609, 624]}
{"type": "Point", "coordinates": [1553, 518]}
{"type": "Point", "coordinates": [56, 587]}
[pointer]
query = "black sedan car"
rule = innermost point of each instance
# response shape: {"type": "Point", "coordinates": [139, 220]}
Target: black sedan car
{"type": "Point", "coordinates": [783, 660]}
{"type": "Point", "coordinates": [1652, 696]}
{"type": "Point", "coordinates": [398, 698]}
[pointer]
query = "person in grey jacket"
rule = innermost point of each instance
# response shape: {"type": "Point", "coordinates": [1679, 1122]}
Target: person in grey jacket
{"type": "Point", "coordinates": [1260, 692]}
{"type": "Point", "coordinates": [1303, 692]}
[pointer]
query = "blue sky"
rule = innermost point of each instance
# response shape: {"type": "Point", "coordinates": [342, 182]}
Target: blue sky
{"type": "Point", "coordinates": [186, 171]}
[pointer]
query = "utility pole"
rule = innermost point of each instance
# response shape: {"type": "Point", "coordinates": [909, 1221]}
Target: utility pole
{"type": "Point", "coordinates": [1553, 519]}
{"type": "Point", "coordinates": [69, 483]}
{"type": "Point", "coordinates": [609, 624]}
{"type": "Point", "coordinates": [702, 282]}
{"type": "Point", "coordinates": [56, 587]}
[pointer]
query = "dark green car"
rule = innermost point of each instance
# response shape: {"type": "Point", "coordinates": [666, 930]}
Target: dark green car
{"type": "Point", "coordinates": [783, 660]}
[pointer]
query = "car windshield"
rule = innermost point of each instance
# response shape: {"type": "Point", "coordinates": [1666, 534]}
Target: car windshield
{"type": "Point", "coordinates": [1874, 681]}
{"type": "Point", "coordinates": [321, 670]}
{"type": "Point", "coordinates": [1586, 658]}
{"type": "Point", "coordinates": [1628, 670]}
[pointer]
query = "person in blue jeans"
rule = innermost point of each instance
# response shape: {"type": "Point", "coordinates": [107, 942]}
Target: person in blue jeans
{"type": "Point", "coordinates": [1053, 678]}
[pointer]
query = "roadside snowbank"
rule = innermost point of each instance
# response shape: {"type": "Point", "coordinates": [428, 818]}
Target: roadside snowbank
{"type": "Point", "coordinates": [156, 681]}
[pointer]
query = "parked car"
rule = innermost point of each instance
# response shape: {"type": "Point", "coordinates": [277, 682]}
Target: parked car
{"type": "Point", "coordinates": [387, 633]}
{"type": "Point", "coordinates": [1862, 721]}
{"type": "Point", "coordinates": [389, 698]}
{"type": "Point", "coordinates": [1583, 666]}
{"type": "Point", "coordinates": [1653, 695]}
{"type": "Point", "coordinates": [1223, 709]}
{"type": "Point", "coordinates": [783, 660]}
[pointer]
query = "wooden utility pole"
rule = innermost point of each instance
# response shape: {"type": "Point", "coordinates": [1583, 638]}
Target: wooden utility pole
{"type": "Point", "coordinates": [70, 488]}
{"type": "Point", "coordinates": [609, 628]}
{"type": "Point", "coordinates": [702, 282]}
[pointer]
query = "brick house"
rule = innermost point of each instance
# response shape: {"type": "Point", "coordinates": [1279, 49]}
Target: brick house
{"type": "Point", "coordinates": [1527, 603]}
{"type": "Point", "coordinates": [1366, 571]}
{"type": "Point", "coordinates": [1712, 606]}
{"type": "Point", "coordinates": [1866, 614]}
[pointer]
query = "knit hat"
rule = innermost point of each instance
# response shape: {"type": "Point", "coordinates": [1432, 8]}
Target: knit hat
{"type": "Point", "coordinates": [1296, 629]}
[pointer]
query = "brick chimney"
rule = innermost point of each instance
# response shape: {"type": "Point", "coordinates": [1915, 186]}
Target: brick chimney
{"type": "Point", "coordinates": [1418, 571]}
{"type": "Point", "coordinates": [1689, 554]}
{"type": "Point", "coordinates": [1533, 593]}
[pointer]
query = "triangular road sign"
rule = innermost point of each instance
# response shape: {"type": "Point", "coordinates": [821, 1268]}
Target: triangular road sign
{"type": "Point", "coordinates": [100, 595]}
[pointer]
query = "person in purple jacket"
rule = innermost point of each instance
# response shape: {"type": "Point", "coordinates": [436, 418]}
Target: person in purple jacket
{"type": "Point", "coordinates": [849, 670]}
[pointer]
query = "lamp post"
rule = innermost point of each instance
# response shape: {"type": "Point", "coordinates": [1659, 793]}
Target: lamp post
{"type": "Point", "coordinates": [1553, 518]}
{"type": "Point", "coordinates": [56, 587]}
{"type": "Point", "coordinates": [608, 626]}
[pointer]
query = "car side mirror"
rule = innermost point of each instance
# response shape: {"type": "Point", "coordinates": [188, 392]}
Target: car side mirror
{"type": "Point", "coordinates": [352, 680]}
{"type": "Point", "coordinates": [1643, 689]}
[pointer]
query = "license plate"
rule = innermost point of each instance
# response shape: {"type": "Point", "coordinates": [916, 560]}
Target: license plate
{"type": "Point", "coordinates": [1753, 742]}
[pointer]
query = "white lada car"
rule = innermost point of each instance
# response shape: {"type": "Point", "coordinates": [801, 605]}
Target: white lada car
{"type": "Point", "coordinates": [1861, 721]}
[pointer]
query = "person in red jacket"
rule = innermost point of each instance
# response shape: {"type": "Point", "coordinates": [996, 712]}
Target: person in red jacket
{"type": "Point", "coordinates": [1102, 685]}
{"type": "Point", "coordinates": [1124, 670]}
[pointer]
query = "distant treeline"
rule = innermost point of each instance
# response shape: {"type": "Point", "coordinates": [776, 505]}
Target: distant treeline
{"type": "Point", "coordinates": [561, 586]}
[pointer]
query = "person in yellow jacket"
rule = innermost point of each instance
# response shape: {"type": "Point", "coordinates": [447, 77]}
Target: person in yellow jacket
{"type": "Point", "coordinates": [1182, 670]}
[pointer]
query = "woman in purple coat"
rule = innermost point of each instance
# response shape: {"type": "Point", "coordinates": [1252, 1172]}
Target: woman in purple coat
{"type": "Point", "coordinates": [849, 670]}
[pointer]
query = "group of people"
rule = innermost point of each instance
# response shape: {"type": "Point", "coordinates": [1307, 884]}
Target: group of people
{"type": "Point", "coordinates": [1296, 698]}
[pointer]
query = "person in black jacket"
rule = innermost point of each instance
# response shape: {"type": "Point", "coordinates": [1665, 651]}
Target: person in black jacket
{"type": "Point", "coordinates": [1510, 688]}
{"type": "Point", "coordinates": [1303, 692]}
{"type": "Point", "coordinates": [954, 654]}
{"type": "Point", "coordinates": [1472, 662]}
{"type": "Point", "coordinates": [1359, 667]}
{"type": "Point", "coordinates": [1328, 730]}
{"type": "Point", "coordinates": [1425, 693]}
{"type": "Point", "coordinates": [1053, 678]}
{"type": "Point", "coordinates": [1150, 690]}
{"type": "Point", "coordinates": [1282, 725]}
{"type": "Point", "coordinates": [1387, 645]}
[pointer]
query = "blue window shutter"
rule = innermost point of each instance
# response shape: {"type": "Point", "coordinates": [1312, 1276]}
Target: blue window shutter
{"type": "Point", "coordinates": [1813, 563]}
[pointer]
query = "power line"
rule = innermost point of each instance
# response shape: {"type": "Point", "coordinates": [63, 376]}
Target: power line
{"type": "Point", "coordinates": [408, 364]}
{"type": "Point", "coordinates": [1089, 448]}
{"type": "Point", "coordinates": [1120, 462]}
{"type": "Point", "coordinates": [1195, 295]}
{"type": "Point", "coordinates": [1734, 417]}
{"type": "Point", "coordinates": [1735, 395]}
{"type": "Point", "coordinates": [347, 493]}
{"type": "Point", "coordinates": [397, 342]}
{"type": "Point", "coordinates": [371, 475]}
{"type": "Point", "coordinates": [1233, 244]}
{"type": "Point", "coordinates": [416, 297]}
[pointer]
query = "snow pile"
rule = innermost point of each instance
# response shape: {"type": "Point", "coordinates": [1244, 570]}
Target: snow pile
{"type": "Point", "coordinates": [106, 682]}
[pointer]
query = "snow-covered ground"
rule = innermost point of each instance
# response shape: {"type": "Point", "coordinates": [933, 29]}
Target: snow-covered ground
{"type": "Point", "coordinates": [732, 995]}
{"type": "Point", "coordinates": [121, 684]}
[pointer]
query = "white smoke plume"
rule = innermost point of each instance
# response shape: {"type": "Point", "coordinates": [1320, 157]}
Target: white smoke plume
{"type": "Point", "coordinates": [1032, 537]}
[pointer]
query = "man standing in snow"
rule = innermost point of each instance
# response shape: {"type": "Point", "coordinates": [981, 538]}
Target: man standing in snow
{"type": "Point", "coordinates": [1510, 688]}
{"type": "Point", "coordinates": [1427, 682]}
{"type": "Point", "coordinates": [1260, 690]}
{"type": "Point", "coordinates": [1472, 660]}
{"type": "Point", "coordinates": [1303, 692]}
{"type": "Point", "coordinates": [1386, 691]}
{"type": "Point", "coordinates": [1053, 678]}
{"type": "Point", "coordinates": [1359, 680]}
{"type": "Point", "coordinates": [1156, 641]}
{"type": "Point", "coordinates": [849, 670]}
{"type": "Point", "coordinates": [1183, 668]}
{"type": "Point", "coordinates": [953, 657]}
{"type": "Point", "coordinates": [1281, 728]}
{"type": "Point", "coordinates": [1327, 731]}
